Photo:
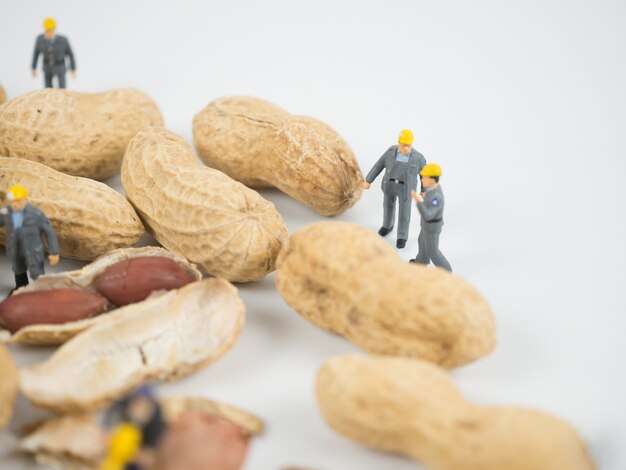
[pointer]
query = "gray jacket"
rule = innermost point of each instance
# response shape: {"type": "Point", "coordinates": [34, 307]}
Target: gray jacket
{"type": "Point", "coordinates": [34, 225]}
{"type": "Point", "coordinates": [54, 54]}
{"type": "Point", "coordinates": [388, 161]}
{"type": "Point", "coordinates": [431, 210]}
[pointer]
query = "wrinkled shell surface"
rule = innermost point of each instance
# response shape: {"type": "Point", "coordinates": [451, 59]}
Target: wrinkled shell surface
{"type": "Point", "coordinates": [81, 134]}
{"type": "Point", "coordinates": [77, 442]}
{"type": "Point", "coordinates": [83, 279]}
{"type": "Point", "coordinates": [90, 218]}
{"type": "Point", "coordinates": [346, 279]}
{"type": "Point", "coordinates": [3, 96]}
{"type": "Point", "coordinates": [227, 229]}
{"type": "Point", "coordinates": [163, 337]}
{"type": "Point", "coordinates": [261, 145]}
{"type": "Point", "coordinates": [412, 407]}
{"type": "Point", "coordinates": [8, 385]}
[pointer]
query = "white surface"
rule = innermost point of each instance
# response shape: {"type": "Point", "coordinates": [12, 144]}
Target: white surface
{"type": "Point", "coordinates": [522, 103]}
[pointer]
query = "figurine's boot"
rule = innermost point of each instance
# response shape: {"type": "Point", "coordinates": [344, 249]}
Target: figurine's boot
{"type": "Point", "coordinates": [20, 281]}
{"type": "Point", "coordinates": [384, 231]}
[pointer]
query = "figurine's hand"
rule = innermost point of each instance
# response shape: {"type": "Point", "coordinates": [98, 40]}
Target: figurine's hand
{"type": "Point", "coordinates": [73, 73]}
{"type": "Point", "coordinates": [366, 185]}
{"type": "Point", "coordinates": [34, 72]}
{"type": "Point", "coordinates": [422, 194]}
{"type": "Point", "coordinates": [415, 197]}
{"type": "Point", "coordinates": [54, 259]}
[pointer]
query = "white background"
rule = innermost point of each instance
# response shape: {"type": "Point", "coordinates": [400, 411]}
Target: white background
{"type": "Point", "coordinates": [522, 103]}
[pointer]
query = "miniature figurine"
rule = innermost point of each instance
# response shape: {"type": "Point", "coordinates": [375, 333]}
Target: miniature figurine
{"type": "Point", "coordinates": [25, 224]}
{"type": "Point", "coordinates": [431, 210]}
{"type": "Point", "coordinates": [402, 164]}
{"type": "Point", "coordinates": [54, 49]}
{"type": "Point", "coordinates": [138, 432]}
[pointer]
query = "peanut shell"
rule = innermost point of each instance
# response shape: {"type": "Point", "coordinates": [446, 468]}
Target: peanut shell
{"type": "Point", "coordinates": [89, 217]}
{"type": "Point", "coordinates": [164, 337]}
{"type": "Point", "coordinates": [346, 279]}
{"type": "Point", "coordinates": [261, 145]}
{"type": "Point", "coordinates": [8, 385]}
{"type": "Point", "coordinates": [3, 96]}
{"type": "Point", "coordinates": [227, 229]}
{"type": "Point", "coordinates": [83, 279]}
{"type": "Point", "coordinates": [81, 134]}
{"type": "Point", "coordinates": [412, 407]}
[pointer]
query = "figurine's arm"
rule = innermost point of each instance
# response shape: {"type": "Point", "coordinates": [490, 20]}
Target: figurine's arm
{"type": "Point", "coordinates": [376, 169]}
{"type": "Point", "coordinates": [428, 211]}
{"type": "Point", "coordinates": [51, 236]}
{"type": "Point", "coordinates": [70, 54]}
{"type": "Point", "coordinates": [35, 55]}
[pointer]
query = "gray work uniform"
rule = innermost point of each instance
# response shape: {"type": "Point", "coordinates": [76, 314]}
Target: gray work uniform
{"type": "Point", "coordinates": [431, 210]}
{"type": "Point", "coordinates": [399, 180]}
{"type": "Point", "coordinates": [54, 52]}
{"type": "Point", "coordinates": [24, 245]}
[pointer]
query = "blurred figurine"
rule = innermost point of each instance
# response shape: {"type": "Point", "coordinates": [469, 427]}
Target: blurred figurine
{"type": "Point", "coordinates": [54, 49]}
{"type": "Point", "coordinates": [431, 210]}
{"type": "Point", "coordinates": [25, 224]}
{"type": "Point", "coordinates": [136, 436]}
{"type": "Point", "coordinates": [402, 164]}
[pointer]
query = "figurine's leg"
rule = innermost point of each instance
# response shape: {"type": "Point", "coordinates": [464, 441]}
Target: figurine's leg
{"type": "Point", "coordinates": [422, 255]}
{"type": "Point", "coordinates": [47, 76]}
{"type": "Point", "coordinates": [21, 280]}
{"type": "Point", "coordinates": [404, 217]}
{"type": "Point", "coordinates": [61, 78]}
{"type": "Point", "coordinates": [36, 270]}
{"type": "Point", "coordinates": [436, 256]}
{"type": "Point", "coordinates": [389, 207]}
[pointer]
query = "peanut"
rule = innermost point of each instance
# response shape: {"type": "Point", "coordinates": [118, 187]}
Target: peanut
{"type": "Point", "coordinates": [164, 337]}
{"type": "Point", "coordinates": [262, 145]}
{"type": "Point", "coordinates": [89, 217]}
{"type": "Point", "coordinates": [85, 278]}
{"type": "Point", "coordinates": [49, 307]}
{"type": "Point", "coordinates": [227, 229]}
{"type": "Point", "coordinates": [79, 441]}
{"type": "Point", "coordinates": [346, 279]}
{"type": "Point", "coordinates": [132, 280]}
{"type": "Point", "coordinates": [8, 385]}
{"type": "Point", "coordinates": [412, 407]}
{"type": "Point", "coordinates": [80, 134]}
{"type": "Point", "coordinates": [3, 96]}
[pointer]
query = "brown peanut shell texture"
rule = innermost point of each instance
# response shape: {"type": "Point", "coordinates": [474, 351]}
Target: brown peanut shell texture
{"type": "Point", "coordinates": [3, 96]}
{"type": "Point", "coordinates": [81, 134]}
{"type": "Point", "coordinates": [262, 145]}
{"type": "Point", "coordinates": [412, 407]}
{"type": "Point", "coordinates": [227, 229]}
{"type": "Point", "coordinates": [90, 218]}
{"type": "Point", "coordinates": [346, 279]}
{"type": "Point", "coordinates": [8, 385]}
{"type": "Point", "coordinates": [77, 442]}
{"type": "Point", "coordinates": [164, 337]}
{"type": "Point", "coordinates": [83, 279]}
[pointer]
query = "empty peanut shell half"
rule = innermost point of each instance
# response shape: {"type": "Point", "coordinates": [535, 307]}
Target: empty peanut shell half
{"type": "Point", "coordinates": [78, 442]}
{"type": "Point", "coordinates": [163, 338]}
{"type": "Point", "coordinates": [8, 385]}
{"type": "Point", "coordinates": [85, 279]}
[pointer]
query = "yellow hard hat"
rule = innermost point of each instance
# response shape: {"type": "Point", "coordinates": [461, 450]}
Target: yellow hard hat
{"type": "Point", "coordinates": [405, 137]}
{"type": "Point", "coordinates": [15, 193]}
{"type": "Point", "coordinates": [49, 24]}
{"type": "Point", "coordinates": [431, 169]}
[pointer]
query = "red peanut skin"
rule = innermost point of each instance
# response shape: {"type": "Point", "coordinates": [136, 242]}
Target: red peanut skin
{"type": "Point", "coordinates": [51, 307]}
{"type": "Point", "coordinates": [132, 280]}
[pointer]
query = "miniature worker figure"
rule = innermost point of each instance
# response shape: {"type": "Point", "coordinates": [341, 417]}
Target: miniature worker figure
{"type": "Point", "coordinates": [402, 164]}
{"type": "Point", "coordinates": [431, 210]}
{"type": "Point", "coordinates": [55, 49]}
{"type": "Point", "coordinates": [25, 224]}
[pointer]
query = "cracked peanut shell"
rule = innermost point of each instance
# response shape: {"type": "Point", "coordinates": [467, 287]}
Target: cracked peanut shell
{"type": "Point", "coordinates": [84, 279]}
{"type": "Point", "coordinates": [227, 229]}
{"type": "Point", "coordinates": [90, 218]}
{"type": "Point", "coordinates": [81, 134]}
{"type": "Point", "coordinates": [164, 337]}
{"type": "Point", "coordinates": [346, 279]}
{"type": "Point", "coordinates": [262, 145]}
{"type": "Point", "coordinates": [412, 407]}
